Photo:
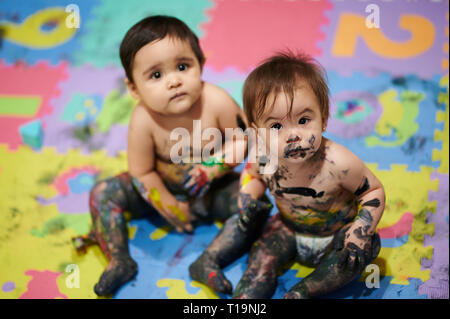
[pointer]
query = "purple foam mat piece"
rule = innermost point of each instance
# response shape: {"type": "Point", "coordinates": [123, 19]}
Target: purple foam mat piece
{"type": "Point", "coordinates": [85, 80]}
{"type": "Point", "coordinates": [437, 286]}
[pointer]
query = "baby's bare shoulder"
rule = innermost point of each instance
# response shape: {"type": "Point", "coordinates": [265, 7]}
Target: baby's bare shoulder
{"type": "Point", "coordinates": [216, 97]}
{"type": "Point", "coordinates": [341, 157]}
{"type": "Point", "coordinates": [140, 119]}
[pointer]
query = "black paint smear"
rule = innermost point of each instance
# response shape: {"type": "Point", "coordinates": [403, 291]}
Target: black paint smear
{"type": "Point", "coordinates": [372, 203]}
{"type": "Point", "coordinates": [363, 188]}
{"type": "Point", "coordinates": [240, 123]}
{"type": "Point", "coordinates": [304, 191]}
{"type": "Point", "coordinates": [311, 141]}
{"type": "Point", "coordinates": [365, 215]}
{"type": "Point", "coordinates": [399, 81]}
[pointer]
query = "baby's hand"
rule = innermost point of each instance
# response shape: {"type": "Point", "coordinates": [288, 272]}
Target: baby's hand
{"type": "Point", "coordinates": [250, 210]}
{"type": "Point", "coordinates": [357, 245]}
{"type": "Point", "coordinates": [198, 180]}
{"type": "Point", "coordinates": [177, 213]}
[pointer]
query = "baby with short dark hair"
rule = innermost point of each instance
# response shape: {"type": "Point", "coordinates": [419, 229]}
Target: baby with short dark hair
{"type": "Point", "coordinates": [163, 63]}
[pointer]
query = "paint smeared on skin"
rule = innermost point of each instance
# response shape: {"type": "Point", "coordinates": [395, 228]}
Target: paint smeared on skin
{"type": "Point", "coordinates": [366, 216]}
{"type": "Point", "coordinates": [363, 188]}
{"type": "Point", "coordinates": [231, 242]}
{"type": "Point", "coordinates": [155, 197]}
{"type": "Point", "coordinates": [311, 141]}
{"type": "Point", "coordinates": [292, 139]}
{"type": "Point", "coordinates": [240, 123]}
{"type": "Point", "coordinates": [293, 149]}
{"type": "Point", "coordinates": [177, 212]}
{"type": "Point", "coordinates": [372, 203]}
{"type": "Point", "coordinates": [303, 191]}
{"type": "Point", "coordinates": [247, 178]}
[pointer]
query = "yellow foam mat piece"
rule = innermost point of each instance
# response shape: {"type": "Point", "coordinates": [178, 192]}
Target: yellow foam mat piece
{"type": "Point", "coordinates": [442, 117]}
{"type": "Point", "coordinates": [25, 175]}
{"type": "Point", "coordinates": [177, 289]}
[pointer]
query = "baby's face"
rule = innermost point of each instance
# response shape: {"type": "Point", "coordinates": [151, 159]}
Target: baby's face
{"type": "Point", "coordinates": [300, 130]}
{"type": "Point", "coordinates": [167, 76]}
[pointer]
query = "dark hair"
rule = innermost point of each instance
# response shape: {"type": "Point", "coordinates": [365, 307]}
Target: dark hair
{"type": "Point", "coordinates": [155, 28]}
{"type": "Point", "coordinates": [280, 73]}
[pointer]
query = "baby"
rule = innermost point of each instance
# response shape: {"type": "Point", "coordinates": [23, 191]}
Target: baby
{"type": "Point", "coordinates": [163, 64]}
{"type": "Point", "coordinates": [329, 202]}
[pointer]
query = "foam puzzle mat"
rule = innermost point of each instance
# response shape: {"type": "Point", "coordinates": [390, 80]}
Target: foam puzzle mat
{"type": "Point", "coordinates": [64, 111]}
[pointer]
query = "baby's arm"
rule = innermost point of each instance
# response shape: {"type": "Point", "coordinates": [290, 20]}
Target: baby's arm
{"type": "Point", "coordinates": [371, 197]}
{"type": "Point", "coordinates": [141, 164]}
{"type": "Point", "coordinates": [252, 188]}
{"type": "Point", "coordinates": [228, 117]}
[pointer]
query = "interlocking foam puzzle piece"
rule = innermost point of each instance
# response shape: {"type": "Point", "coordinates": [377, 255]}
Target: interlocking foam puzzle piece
{"type": "Point", "coordinates": [43, 230]}
{"type": "Point", "coordinates": [398, 119]}
{"type": "Point", "coordinates": [19, 80]}
{"type": "Point", "coordinates": [73, 188]}
{"type": "Point", "coordinates": [415, 150]}
{"type": "Point", "coordinates": [87, 81]}
{"type": "Point", "coordinates": [42, 285]}
{"type": "Point", "coordinates": [443, 136]}
{"type": "Point", "coordinates": [406, 192]}
{"type": "Point", "coordinates": [400, 46]}
{"type": "Point", "coordinates": [176, 289]}
{"type": "Point", "coordinates": [437, 285]}
{"type": "Point", "coordinates": [230, 40]}
{"type": "Point", "coordinates": [100, 48]}
{"type": "Point", "coordinates": [32, 134]}
{"type": "Point", "coordinates": [37, 31]}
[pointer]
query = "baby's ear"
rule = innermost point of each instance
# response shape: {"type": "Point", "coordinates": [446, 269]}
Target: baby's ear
{"type": "Point", "coordinates": [324, 125]}
{"type": "Point", "coordinates": [132, 88]}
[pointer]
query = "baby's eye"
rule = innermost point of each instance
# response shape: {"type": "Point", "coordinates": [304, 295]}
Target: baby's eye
{"type": "Point", "coordinates": [155, 75]}
{"type": "Point", "coordinates": [303, 120]}
{"type": "Point", "coordinates": [276, 126]}
{"type": "Point", "coordinates": [182, 66]}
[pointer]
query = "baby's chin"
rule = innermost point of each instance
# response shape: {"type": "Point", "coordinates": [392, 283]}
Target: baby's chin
{"type": "Point", "coordinates": [178, 109]}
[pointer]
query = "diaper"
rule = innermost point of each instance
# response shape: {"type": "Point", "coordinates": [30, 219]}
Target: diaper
{"type": "Point", "coordinates": [311, 249]}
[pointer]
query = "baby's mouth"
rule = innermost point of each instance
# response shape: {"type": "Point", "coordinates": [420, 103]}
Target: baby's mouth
{"type": "Point", "coordinates": [295, 151]}
{"type": "Point", "coordinates": [177, 95]}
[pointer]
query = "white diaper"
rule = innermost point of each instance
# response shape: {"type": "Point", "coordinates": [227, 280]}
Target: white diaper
{"type": "Point", "coordinates": [311, 249]}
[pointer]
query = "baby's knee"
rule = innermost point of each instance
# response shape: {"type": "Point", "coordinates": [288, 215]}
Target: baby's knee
{"type": "Point", "coordinates": [104, 191]}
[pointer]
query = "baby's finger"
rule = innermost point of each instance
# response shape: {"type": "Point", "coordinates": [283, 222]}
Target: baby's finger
{"type": "Point", "coordinates": [173, 220]}
{"type": "Point", "coordinates": [186, 180]}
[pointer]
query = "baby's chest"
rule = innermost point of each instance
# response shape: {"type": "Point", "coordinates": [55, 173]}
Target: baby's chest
{"type": "Point", "coordinates": [306, 190]}
{"type": "Point", "coordinates": [189, 141]}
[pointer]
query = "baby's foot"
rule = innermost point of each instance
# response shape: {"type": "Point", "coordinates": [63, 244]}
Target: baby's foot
{"type": "Point", "coordinates": [295, 294]}
{"type": "Point", "coordinates": [208, 272]}
{"type": "Point", "coordinates": [118, 273]}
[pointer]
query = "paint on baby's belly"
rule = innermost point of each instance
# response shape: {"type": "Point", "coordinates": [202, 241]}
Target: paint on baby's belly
{"type": "Point", "coordinates": [312, 221]}
{"type": "Point", "coordinates": [303, 191]}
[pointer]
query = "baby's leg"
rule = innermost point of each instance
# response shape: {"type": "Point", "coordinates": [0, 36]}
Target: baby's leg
{"type": "Point", "coordinates": [230, 243]}
{"type": "Point", "coordinates": [334, 271]}
{"type": "Point", "coordinates": [220, 202]}
{"type": "Point", "coordinates": [276, 247]}
{"type": "Point", "coordinates": [108, 201]}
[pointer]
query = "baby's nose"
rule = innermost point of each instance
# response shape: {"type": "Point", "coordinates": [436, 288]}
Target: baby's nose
{"type": "Point", "coordinates": [293, 138]}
